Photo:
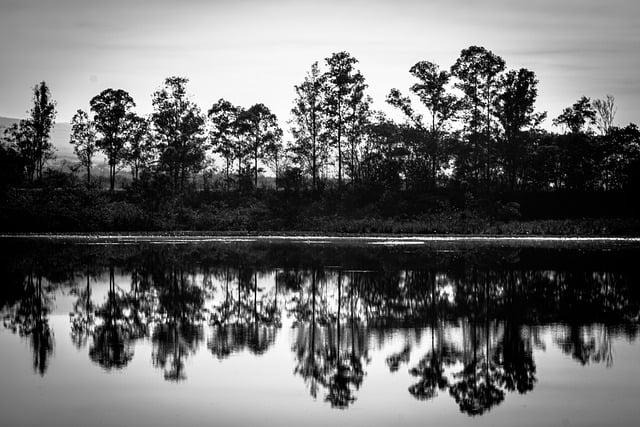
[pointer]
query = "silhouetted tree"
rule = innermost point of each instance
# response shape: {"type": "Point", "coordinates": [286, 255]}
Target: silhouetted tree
{"type": "Point", "coordinates": [42, 116]}
{"type": "Point", "coordinates": [385, 155]}
{"type": "Point", "coordinates": [83, 138]}
{"type": "Point", "coordinates": [138, 149]}
{"type": "Point", "coordinates": [576, 117]}
{"type": "Point", "coordinates": [262, 128]}
{"type": "Point", "coordinates": [477, 71]}
{"type": "Point", "coordinates": [309, 122]}
{"type": "Point", "coordinates": [274, 154]}
{"type": "Point", "coordinates": [443, 106]}
{"type": "Point", "coordinates": [605, 113]}
{"type": "Point", "coordinates": [515, 112]}
{"type": "Point", "coordinates": [356, 121]}
{"type": "Point", "coordinates": [341, 82]}
{"type": "Point", "coordinates": [112, 108]}
{"type": "Point", "coordinates": [225, 132]}
{"type": "Point", "coordinates": [179, 127]}
{"type": "Point", "coordinates": [20, 138]}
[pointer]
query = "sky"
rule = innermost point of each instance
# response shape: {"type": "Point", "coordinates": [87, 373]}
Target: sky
{"type": "Point", "coordinates": [250, 51]}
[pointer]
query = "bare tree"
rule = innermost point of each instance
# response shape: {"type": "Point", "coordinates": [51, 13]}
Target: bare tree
{"type": "Point", "coordinates": [605, 113]}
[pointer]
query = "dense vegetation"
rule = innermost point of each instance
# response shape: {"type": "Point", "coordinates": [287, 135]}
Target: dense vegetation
{"type": "Point", "coordinates": [469, 155]}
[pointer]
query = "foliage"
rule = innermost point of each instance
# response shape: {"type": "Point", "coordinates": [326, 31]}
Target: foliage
{"type": "Point", "coordinates": [83, 139]}
{"type": "Point", "coordinates": [112, 109]}
{"type": "Point", "coordinates": [179, 128]}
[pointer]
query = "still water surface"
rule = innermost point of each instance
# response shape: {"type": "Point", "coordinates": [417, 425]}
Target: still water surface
{"type": "Point", "coordinates": [242, 332]}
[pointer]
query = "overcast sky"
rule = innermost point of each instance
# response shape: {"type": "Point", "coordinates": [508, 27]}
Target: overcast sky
{"type": "Point", "coordinates": [252, 51]}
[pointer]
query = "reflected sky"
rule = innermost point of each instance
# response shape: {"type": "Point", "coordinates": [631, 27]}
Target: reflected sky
{"type": "Point", "coordinates": [167, 335]}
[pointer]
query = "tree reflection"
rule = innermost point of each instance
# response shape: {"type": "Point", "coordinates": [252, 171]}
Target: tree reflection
{"type": "Point", "coordinates": [112, 346]}
{"type": "Point", "coordinates": [29, 318]}
{"type": "Point", "coordinates": [83, 315]}
{"type": "Point", "coordinates": [249, 319]}
{"type": "Point", "coordinates": [587, 344]}
{"type": "Point", "coordinates": [431, 368]}
{"type": "Point", "coordinates": [338, 315]}
{"type": "Point", "coordinates": [178, 330]}
{"type": "Point", "coordinates": [310, 340]}
{"type": "Point", "coordinates": [476, 389]}
{"type": "Point", "coordinates": [329, 354]}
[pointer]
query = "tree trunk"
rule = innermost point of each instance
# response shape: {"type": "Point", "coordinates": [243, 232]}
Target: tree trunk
{"type": "Point", "coordinates": [255, 164]}
{"type": "Point", "coordinates": [227, 176]}
{"type": "Point", "coordinates": [314, 172]}
{"type": "Point", "coordinates": [339, 153]}
{"type": "Point", "coordinates": [112, 177]}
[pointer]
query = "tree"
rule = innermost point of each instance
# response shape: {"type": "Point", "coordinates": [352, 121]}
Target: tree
{"type": "Point", "coordinates": [514, 107]}
{"type": "Point", "coordinates": [83, 139]}
{"type": "Point", "coordinates": [309, 120]}
{"type": "Point", "coordinates": [20, 136]}
{"type": "Point", "coordinates": [41, 119]}
{"type": "Point", "coordinates": [224, 134]}
{"type": "Point", "coordinates": [356, 121]}
{"type": "Point", "coordinates": [477, 70]}
{"type": "Point", "coordinates": [385, 155]}
{"type": "Point", "coordinates": [431, 89]}
{"type": "Point", "coordinates": [576, 117]}
{"type": "Point", "coordinates": [138, 149]}
{"type": "Point", "coordinates": [605, 113]}
{"type": "Point", "coordinates": [180, 130]}
{"type": "Point", "coordinates": [112, 110]}
{"type": "Point", "coordinates": [341, 78]}
{"type": "Point", "coordinates": [273, 153]}
{"type": "Point", "coordinates": [262, 128]}
{"type": "Point", "coordinates": [32, 135]}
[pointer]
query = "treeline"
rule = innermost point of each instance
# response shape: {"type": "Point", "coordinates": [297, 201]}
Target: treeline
{"type": "Point", "coordinates": [465, 152]}
{"type": "Point", "coordinates": [472, 126]}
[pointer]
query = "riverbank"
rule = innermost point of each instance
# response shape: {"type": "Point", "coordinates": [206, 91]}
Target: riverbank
{"type": "Point", "coordinates": [78, 210]}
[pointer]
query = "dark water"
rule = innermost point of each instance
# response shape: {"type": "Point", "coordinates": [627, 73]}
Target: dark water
{"type": "Point", "coordinates": [264, 333]}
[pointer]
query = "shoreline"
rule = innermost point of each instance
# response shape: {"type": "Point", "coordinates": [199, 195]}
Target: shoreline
{"type": "Point", "coordinates": [314, 238]}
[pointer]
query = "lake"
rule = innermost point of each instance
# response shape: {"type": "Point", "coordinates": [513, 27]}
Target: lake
{"type": "Point", "coordinates": [182, 331]}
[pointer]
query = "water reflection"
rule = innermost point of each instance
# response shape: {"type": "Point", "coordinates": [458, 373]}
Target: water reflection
{"type": "Point", "coordinates": [466, 327]}
{"type": "Point", "coordinates": [28, 317]}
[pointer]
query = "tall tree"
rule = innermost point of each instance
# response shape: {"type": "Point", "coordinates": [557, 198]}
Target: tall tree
{"type": "Point", "coordinates": [431, 89]}
{"type": "Point", "coordinates": [180, 129]}
{"type": "Point", "coordinates": [605, 113]}
{"type": "Point", "coordinates": [83, 139]}
{"type": "Point", "coordinates": [273, 154]}
{"type": "Point", "coordinates": [478, 70]}
{"type": "Point", "coordinates": [138, 149]}
{"type": "Point", "coordinates": [224, 134]}
{"type": "Point", "coordinates": [262, 128]}
{"type": "Point", "coordinates": [341, 78]}
{"type": "Point", "coordinates": [112, 108]}
{"type": "Point", "coordinates": [515, 111]}
{"type": "Point", "coordinates": [42, 118]}
{"type": "Point", "coordinates": [356, 121]}
{"type": "Point", "coordinates": [309, 120]}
